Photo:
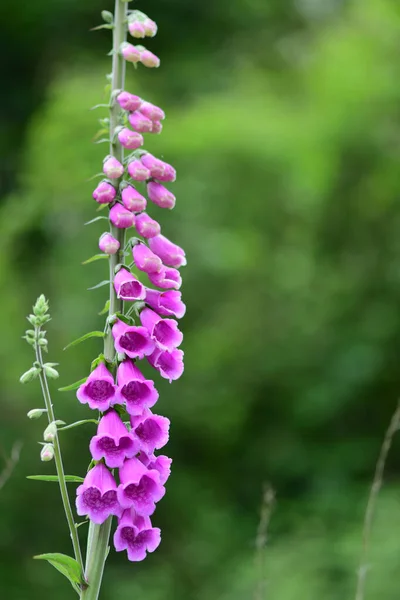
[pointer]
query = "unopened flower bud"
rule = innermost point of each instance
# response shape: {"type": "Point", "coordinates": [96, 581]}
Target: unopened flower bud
{"type": "Point", "coordinates": [148, 59]}
{"type": "Point", "coordinates": [157, 127]}
{"type": "Point", "coordinates": [104, 193]}
{"type": "Point", "coordinates": [132, 200]}
{"type": "Point", "coordinates": [121, 217]}
{"type": "Point", "coordinates": [36, 413]}
{"type": "Point", "coordinates": [138, 171]}
{"type": "Point", "coordinates": [158, 168]}
{"type": "Point", "coordinates": [29, 375]}
{"type": "Point", "coordinates": [140, 122]}
{"type": "Point", "coordinates": [50, 372]}
{"type": "Point", "coordinates": [130, 53]}
{"type": "Point", "coordinates": [160, 195]}
{"type": "Point", "coordinates": [128, 101]}
{"type": "Point", "coordinates": [136, 29]}
{"type": "Point", "coordinates": [112, 168]}
{"type": "Point", "coordinates": [41, 306]}
{"type": "Point", "coordinates": [47, 453]}
{"type": "Point", "coordinates": [152, 112]}
{"type": "Point", "coordinates": [50, 432]}
{"type": "Point", "coordinates": [150, 27]}
{"type": "Point", "coordinates": [131, 140]}
{"type": "Point", "coordinates": [146, 226]}
{"type": "Point", "coordinates": [108, 244]}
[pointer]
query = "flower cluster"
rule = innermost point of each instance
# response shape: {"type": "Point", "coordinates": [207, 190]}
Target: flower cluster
{"type": "Point", "coordinates": [129, 433]}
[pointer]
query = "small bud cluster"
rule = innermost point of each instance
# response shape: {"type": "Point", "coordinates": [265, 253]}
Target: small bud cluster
{"type": "Point", "coordinates": [129, 433]}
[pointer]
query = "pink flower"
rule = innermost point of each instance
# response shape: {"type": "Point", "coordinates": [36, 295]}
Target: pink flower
{"type": "Point", "coordinates": [136, 29]}
{"type": "Point", "coordinates": [128, 101]}
{"type": "Point", "coordinates": [148, 59]}
{"type": "Point", "coordinates": [113, 441]}
{"type": "Point", "coordinates": [157, 127]}
{"type": "Point", "coordinates": [99, 389]}
{"type": "Point", "coordinates": [130, 53]}
{"type": "Point", "coordinates": [160, 195]}
{"type": "Point", "coordinates": [136, 535]}
{"type": "Point", "coordinates": [151, 431]}
{"type": "Point", "coordinates": [137, 392]}
{"type": "Point", "coordinates": [132, 200]}
{"type": "Point", "coordinates": [131, 140]}
{"type": "Point", "coordinates": [138, 171]}
{"type": "Point", "coordinates": [108, 244]}
{"type": "Point", "coordinates": [145, 259]}
{"type": "Point", "coordinates": [150, 27]}
{"type": "Point", "coordinates": [166, 278]}
{"type": "Point", "coordinates": [152, 112]}
{"type": "Point", "coordinates": [169, 364]}
{"type": "Point", "coordinates": [146, 226]}
{"type": "Point", "coordinates": [166, 303]}
{"type": "Point", "coordinates": [104, 193]}
{"type": "Point", "coordinates": [112, 168]}
{"type": "Point", "coordinates": [97, 495]}
{"type": "Point", "coordinates": [121, 217]}
{"type": "Point", "coordinates": [140, 122]}
{"type": "Point", "coordinates": [128, 287]}
{"type": "Point", "coordinates": [135, 342]}
{"type": "Point", "coordinates": [161, 463]}
{"type": "Point", "coordinates": [140, 487]}
{"type": "Point", "coordinates": [171, 254]}
{"type": "Point", "coordinates": [164, 332]}
{"type": "Point", "coordinates": [158, 168]}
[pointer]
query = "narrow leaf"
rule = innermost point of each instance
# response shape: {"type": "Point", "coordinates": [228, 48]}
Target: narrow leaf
{"type": "Point", "coordinates": [77, 423]}
{"type": "Point", "coordinates": [94, 287]}
{"type": "Point", "coordinates": [105, 26]}
{"type": "Point", "coordinates": [68, 478]}
{"type": "Point", "coordinates": [66, 565]}
{"type": "Point", "coordinates": [91, 334]}
{"type": "Point", "coordinates": [96, 219]}
{"type": "Point", "coordinates": [105, 309]}
{"type": "Point", "coordinates": [72, 386]}
{"type": "Point", "coordinates": [95, 257]}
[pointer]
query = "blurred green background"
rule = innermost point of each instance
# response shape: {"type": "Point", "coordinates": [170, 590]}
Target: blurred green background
{"type": "Point", "coordinates": [283, 120]}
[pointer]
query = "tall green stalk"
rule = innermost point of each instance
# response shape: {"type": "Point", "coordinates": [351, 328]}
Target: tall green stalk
{"type": "Point", "coordinates": [99, 535]}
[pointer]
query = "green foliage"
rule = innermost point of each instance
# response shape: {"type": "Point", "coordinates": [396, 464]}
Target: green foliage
{"type": "Point", "coordinates": [284, 128]}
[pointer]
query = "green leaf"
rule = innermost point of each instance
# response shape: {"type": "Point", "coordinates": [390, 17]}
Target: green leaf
{"type": "Point", "coordinates": [86, 337]}
{"type": "Point", "coordinates": [98, 285]}
{"type": "Point", "coordinates": [105, 309]}
{"type": "Point", "coordinates": [96, 219]}
{"type": "Point", "coordinates": [95, 257]}
{"type": "Point", "coordinates": [72, 386]}
{"type": "Point", "coordinates": [68, 478]}
{"type": "Point", "coordinates": [77, 423]}
{"type": "Point", "coordinates": [66, 565]}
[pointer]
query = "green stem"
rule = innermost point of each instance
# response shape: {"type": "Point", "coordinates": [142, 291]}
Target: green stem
{"type": "Point", "coordinates": [57, 458]}
{"type": "Point", "coordinates": [98, 537]}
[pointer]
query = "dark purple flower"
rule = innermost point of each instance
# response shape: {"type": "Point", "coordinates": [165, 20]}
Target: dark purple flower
{"type": "Point", "coordinates": [134, 390]}
{"type": "Point", "coordinates": [113, 441]}
{"type": "Point", "coordinates": [161, 463]}
{"type": "Point", "coordinates": [136, 535]}
{"type": "Point", "coordinates": [164, 332]}
{"type": "Point", "coordinates": [97, 495]}
{"type": "Point", "coordinates": [99, 389]}
{"type": "Point", "coordinates": [135, 342]}
{"type": "Point", "coordinates": [140, 487]}
{"type": "Point", "coordinates": [166, 303]}
{"type": "Point", "coordinates": [169, 364]}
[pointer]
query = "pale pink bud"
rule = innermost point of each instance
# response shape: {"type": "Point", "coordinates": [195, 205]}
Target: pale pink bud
{"type": "Point", "coordinates": [131, 140]}
{"type": "Point", "coordinates": [150, 27]}
{"type": "Point", "coordinates": [136, 29]}
{"type": "Point", "coordinates": [130, 53]}
{"type": "Point", "coordinates": [158, 168]}
{"type": "Point", "coordinates": [152, 112]}
{"type": "Point", "coordinates": [121, 217]}
{"type": "Point", "coordinates": [112, 168]}
{"type": "Point", "coordinates": [140, 122]}
{"type": "Point", "coordinates": [128, 101]}
{"type": "Point", "coordinates": [146, 226]}
{"type": "Point", "coordinates": [108, 244]}
{"type": "Point", "coordinates": [148, 59]}
{"type": "Point", "coordinates": [138, 171]}
{"type": "Point", "coordinates": [157, 127]}
{"type": "Point", "coordinates": [160, 195]}
{"type": "Point", "coordinates": [104, 193]}
{"type": "Point", "coordinates": [132, 200]}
